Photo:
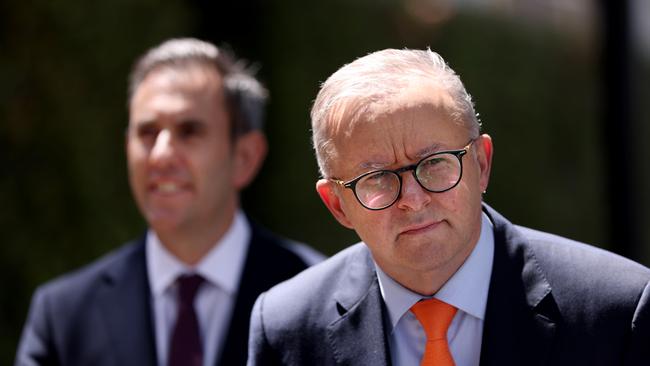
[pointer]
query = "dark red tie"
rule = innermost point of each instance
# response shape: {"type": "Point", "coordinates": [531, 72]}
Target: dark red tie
{"type": "Point", "coordinates": [185, 346]}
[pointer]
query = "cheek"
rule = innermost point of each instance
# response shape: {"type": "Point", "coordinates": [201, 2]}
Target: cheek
{"type": "Point", "coordinates": [468, 189]}
{"type": "Point", "coordinates": [137, 172]}
{"type": "Point", "coordinates": [136, 155]}
{"type": "Point", "coordinates": [211, 169]}
{"type": "Point", "coordinates": [373, 226]}
{"type": "Point", "coordinates": [133, 164]}
{"type": "Point", "coordinates": [459, 204]}
{"type": "Point", "coordinates": [452, 200]}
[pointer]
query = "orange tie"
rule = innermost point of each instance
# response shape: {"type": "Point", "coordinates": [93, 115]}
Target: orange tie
{"type": "Point", "coordinates": [435, 317]}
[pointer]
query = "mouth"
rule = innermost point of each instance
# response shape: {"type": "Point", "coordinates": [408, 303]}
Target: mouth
{"type": "Point", "coordinates": [420, 228]}
{"type": "Point", "coordinates": [167, 188]}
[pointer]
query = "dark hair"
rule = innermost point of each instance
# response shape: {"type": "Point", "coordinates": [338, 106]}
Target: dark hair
{"type": "Point", "coordinates": [245, 96]}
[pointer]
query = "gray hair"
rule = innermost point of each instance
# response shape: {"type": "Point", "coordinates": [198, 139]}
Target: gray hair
{"type": "Point", "coordinates": [245, 96]}
{"type": "Point", "coordinates": [356, 88]}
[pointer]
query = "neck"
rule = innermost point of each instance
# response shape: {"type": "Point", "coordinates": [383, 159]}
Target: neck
{"type": "Point", "coordinates": [192, 244]}
{"type": "Point", "coordinates": [425, 283]}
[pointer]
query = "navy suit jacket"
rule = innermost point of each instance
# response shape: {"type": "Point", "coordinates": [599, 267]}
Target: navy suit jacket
{"type": "Point", "coordinates": [551, 301]}
{"type": "Point", "coordinates": [101, 315]}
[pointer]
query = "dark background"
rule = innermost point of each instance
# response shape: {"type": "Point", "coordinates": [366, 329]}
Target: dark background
{"type": "Point", "coordinates": [563, 103]}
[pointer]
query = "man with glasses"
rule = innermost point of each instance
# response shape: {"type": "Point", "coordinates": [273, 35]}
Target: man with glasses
{"type": "Point", "coordinates": [440, 278]}
{"type": "Point", "coordinates": [182, 293]}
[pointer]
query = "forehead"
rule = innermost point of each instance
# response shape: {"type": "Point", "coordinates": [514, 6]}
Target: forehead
{"type": "Point", "coordinates": [419, 120]}
{"type": "Point", "coordinates": [193, 84]}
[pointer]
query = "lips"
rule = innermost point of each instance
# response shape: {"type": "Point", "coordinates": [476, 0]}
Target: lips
{"type": "Point", "coordinates": [420, 228]}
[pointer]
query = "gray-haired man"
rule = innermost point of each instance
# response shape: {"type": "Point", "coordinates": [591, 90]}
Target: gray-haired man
{"type": "Point", "coordinates": [440, 278]}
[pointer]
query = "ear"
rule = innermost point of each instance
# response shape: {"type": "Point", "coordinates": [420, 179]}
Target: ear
{"type": "Point", "coordinates": [248, 155]}
{"type": "Point", "coordinates": [484, 156]}
{"type": "Point", "coordinates": [327, 191]}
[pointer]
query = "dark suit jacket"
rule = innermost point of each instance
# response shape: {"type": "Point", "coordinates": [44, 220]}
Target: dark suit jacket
{"type": "Point", "coordinates": [551, 301]}
{"type": "Point", "coordinates": [101, 314]}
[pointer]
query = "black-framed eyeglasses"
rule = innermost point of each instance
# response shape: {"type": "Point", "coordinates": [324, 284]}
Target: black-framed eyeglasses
{"type": "Point", "coordinates": [380, 189]}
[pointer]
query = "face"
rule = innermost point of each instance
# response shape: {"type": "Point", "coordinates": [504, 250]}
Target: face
{"type": "Point", "coordinates": [423, 234]}
{"type": "Point", "coordinates": [184, 170]}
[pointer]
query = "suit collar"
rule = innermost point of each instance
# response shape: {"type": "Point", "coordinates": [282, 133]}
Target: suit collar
{"type": "Point", "coordinates": [221, 265]}
{"type": "Point", "coordinates": [515, 255]}
{"type": "Point", "coordinates": [520, 319]}
{"type": "Point", "coordinates": [124, 301]}
{"type": "Point", "coordinates": [521, 314]}
{"type": "Point", "coordinates": [253, 282]}
{"type": "Point", "coordinates": [268, 262]}
{"type": "Point", "coordinates": [357, 336]}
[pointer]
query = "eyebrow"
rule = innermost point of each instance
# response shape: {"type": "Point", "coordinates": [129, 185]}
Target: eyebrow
{"type": "Point", "coordinates": [371, 165]}
{"type": "Point", "coordinates": [143, 122]}
{"type": "Point", "coordinates": [375, 165]}
{"type": "Point", "coordinates": [143, 119]}
{"type": "Point", "coordinates": [180, 122]}
{"type": "Point", "coordinates": [433, 148]}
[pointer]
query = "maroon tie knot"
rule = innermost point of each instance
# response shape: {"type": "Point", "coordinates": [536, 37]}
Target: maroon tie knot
{"type": "Point", "coordinates": [188, 286]}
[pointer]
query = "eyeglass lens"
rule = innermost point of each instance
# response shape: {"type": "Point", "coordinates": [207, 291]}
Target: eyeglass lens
{"type": "Point", "coordinates": [437, 173]}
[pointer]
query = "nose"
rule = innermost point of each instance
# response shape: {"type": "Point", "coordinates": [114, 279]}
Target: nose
{"type": "Point", "coordinates": [163, 150]}
{"type": "Point", "coordinates": [413, 197]}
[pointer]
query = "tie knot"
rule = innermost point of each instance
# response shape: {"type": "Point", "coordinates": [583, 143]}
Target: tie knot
{"type": "Point", "coordinates": [188, 285]}
{"type": "Point", "coordinates": [435, 317]}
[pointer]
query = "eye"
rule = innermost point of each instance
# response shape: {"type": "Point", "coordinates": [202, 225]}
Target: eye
{"type": "Point", "coordinates": [147, 131]}
{"type": "Point", "coordinates": [434, 162]}
{"type": "Point", "coordinates": [378, 179]}
{"type": "Point", "coordinates": [189, 129]}
{"type": "Point", "coordinates": [437, 167]}
{"type": "Point", "coordinates": [378, 189]}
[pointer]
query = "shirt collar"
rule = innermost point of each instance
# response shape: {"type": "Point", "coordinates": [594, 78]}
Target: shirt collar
{"type": "Point", "coordinates": [221, 266]}
{"type": "Point", "coordinates": [467, 289]}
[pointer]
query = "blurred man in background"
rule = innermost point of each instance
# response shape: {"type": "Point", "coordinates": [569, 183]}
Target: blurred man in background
{"type": "Point", "coordinates": [441, 278]}
{"type": "Point", "coordinates": [182, 294]}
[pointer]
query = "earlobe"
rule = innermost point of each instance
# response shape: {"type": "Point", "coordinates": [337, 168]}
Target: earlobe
{"type": "Point", "coordinates": [327, 192]}
{"type": "Point", "coordinates": [249, 153]}
{"type": "Point", "coordinates": [485, 160]}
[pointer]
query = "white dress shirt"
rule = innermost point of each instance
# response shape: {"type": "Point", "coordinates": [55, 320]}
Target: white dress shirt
{"type": "Point", "coordinates": [467, 290]}
{"type": "Point", "coordinates": [221, 268]}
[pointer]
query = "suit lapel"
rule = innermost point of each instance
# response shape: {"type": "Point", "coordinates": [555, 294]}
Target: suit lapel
{"type": "Point", "coordinates": [357, 337]}
{"type": "Point", "coordinates": [124, 302]}
{"type": "Point", "coordinates": [267, 263]}
{"type": "Point", "coordinates": [252, 283]}
{"type": "Point", "coordinates": [521, 314]}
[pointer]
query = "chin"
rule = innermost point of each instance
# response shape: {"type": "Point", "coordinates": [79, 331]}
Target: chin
{"type": "Point", "coordinates": [427, 253]}
{"type": "Point", "coordinates": [163, 221]}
